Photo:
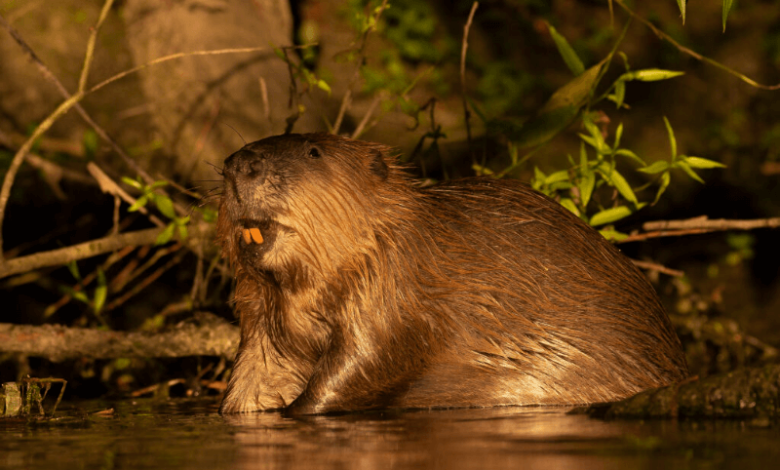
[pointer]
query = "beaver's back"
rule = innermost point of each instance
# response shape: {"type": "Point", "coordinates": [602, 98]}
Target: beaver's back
{"type": "Point", "coordinates": [550, 311]}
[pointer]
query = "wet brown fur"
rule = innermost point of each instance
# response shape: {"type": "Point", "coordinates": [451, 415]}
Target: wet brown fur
{"type": "Point", "coordinates": [369, 292]}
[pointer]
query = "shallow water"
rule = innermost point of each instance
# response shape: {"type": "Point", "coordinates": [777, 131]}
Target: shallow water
{"type": "Point", "coordinates": [190, 434]}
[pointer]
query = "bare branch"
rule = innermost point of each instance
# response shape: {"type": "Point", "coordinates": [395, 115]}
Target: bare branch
{"type": "Point", "coordinates": [76, 252]}
{"type": "Point", "coordinates": [703, 222]}
{"type": "Point", "coordinates": [697, 225]}
{"type": "Point", "coordinates": [212, 337]}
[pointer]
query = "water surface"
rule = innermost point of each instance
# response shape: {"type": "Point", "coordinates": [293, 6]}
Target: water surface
{"type": "Point", "coordinates": [190, 434]}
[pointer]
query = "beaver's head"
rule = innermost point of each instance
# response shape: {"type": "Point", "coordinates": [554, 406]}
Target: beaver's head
{"type": "Point", "coordinates": [302, 205]}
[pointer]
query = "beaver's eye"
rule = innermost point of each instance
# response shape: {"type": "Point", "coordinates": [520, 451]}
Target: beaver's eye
{"type": "Point", "coordinates": [314, 152]}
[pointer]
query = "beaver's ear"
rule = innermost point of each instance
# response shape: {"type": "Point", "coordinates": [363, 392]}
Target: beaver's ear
{"type": "Point", "coordinates": [377, 165]}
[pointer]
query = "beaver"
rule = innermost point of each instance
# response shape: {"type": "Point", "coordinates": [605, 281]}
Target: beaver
{"type": "Point", "coordinates": [358, 289]}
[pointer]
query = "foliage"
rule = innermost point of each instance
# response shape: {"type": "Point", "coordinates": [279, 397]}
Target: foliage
{"type": "Point", "coordinates": [575, 186]}
{"type": "Point", "coordinates": [164, 205]}
{"type": "Point", "coordinates": [603, 186]}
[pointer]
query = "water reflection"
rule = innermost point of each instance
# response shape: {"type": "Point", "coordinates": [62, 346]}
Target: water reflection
{"type": "Point", "coordinates": [449, 439]}
{"type": "Point", "coordinates": [191, 435]}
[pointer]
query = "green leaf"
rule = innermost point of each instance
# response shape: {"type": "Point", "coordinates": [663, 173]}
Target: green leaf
{"type": "Point", "coordinates": [601, 146]}
{"type": "Point", "coordinates": [656, 167]}
{"type": "Point", "coordinates": [166, 235]}
{"type": "Point", "coordinates": [78, 295]}
{"type": "Point", "coordinates": [561, 186]}
{"type": "Point", "coordinates": [481, 170]}
{"type": "Point", "coordinates": [586, 185]}
{"type": "Point", "coordinates": [323, 85]}
{"type": "Point", "coordinates": [681, 4]}
{"type": "Point", "coordinates": [139, 203]}
{"type": "Point", "coordinates": [665, 179]}
{"type": "Point", "coordinates": [577, 91]}
{"type": "Point", "coordinates": [696, 162]}
{"type": "Point", "coordinates": [672, 140]}
{"type": "Point", "coordinates": [650, 75]}
{"type": "Point", "coordinates": [132, 182]}
{"type": "Point", "coordinates": [74, 270]}
{"type": "Point", "coordinates": [558, 112]}
{"type": "Point", "coordinates": [609, 215]}
{"type": "Point", "coordinates": [569, 56]}
{"type": "Point", "coordinates": [613, 235]}
{"type": "Point", "coordinates": [558, 176]}
{"type": "Point", "coordinates": [590, 140]}
{"type": "Point", "coordinates": [726, 8]}
{"type": "Point", "coordinates": [157, 185]}
{"type": "Point", "coordinates": [618, 135]}
{"type": "Point", "coordinates": [165, 205]}
{"type": "Point", "coordinates": [569, 204]}
{"type": "Point", "coordinates": [101, 291]}
{"type": "Point", "coordinates": [183, 232]}
{"type": "Point", "coordinates": [630, 154]}
{"type": "Point", "coordinates": [620, 93]}
{"type": "Point", "coordinates": [687, 169]}
{"type": "Point", "coordinates": [625, 60]}
{"type": "Point", "coordinates": [620, 183]}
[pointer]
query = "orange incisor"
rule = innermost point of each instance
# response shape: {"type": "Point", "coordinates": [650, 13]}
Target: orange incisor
{"type": "Point", "coordinates": [252, 235]}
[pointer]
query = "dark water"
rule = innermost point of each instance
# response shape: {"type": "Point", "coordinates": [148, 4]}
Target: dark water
{"type": "Point", "coordinates": [192, 435]}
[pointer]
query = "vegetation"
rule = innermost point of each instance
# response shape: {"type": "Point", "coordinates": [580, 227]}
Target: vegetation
{"type": "Point", "coordinates": [473, 106]}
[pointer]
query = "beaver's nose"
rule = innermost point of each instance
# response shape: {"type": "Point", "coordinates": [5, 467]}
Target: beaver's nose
{"type": "Point", "coordinates": [246, 163]}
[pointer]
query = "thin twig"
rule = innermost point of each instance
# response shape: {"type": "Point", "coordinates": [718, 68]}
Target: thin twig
{"type": "Point", "coordinates": [658, 267]}
{"type": "Point", "coordinates": [87, 280]}
{"type": "Point", "coordinates": [638, 237]}
{"type": "Point", "coordinates": [178, 55]}
{"type": "Point", "coordinates": [347, 100]}
{"type": "Point", "coordinates": [146, 282]}
{"type": "Point", "coordinates": [463, 49]}
{"type": "Point", "coordinates": [135, 271]}
{"type": "Point", "coordinates": [665, 37]}
{"type": "Point", "coordinates": [266, 106]}
{"type": "Point", "coordinates": [198, 277]}
{"type": "Point", "coordinates": [295, 98]}
{"type": "Point", "coordinates": [363, 122]}
{"type": "Point", "coordinates": [107, 185]}
{"type": "Point", "coordinates": [91, 45]}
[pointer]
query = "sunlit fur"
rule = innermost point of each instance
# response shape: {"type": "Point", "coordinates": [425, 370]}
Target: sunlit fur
{"type": "Point", "coordinates": [477, 292]}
